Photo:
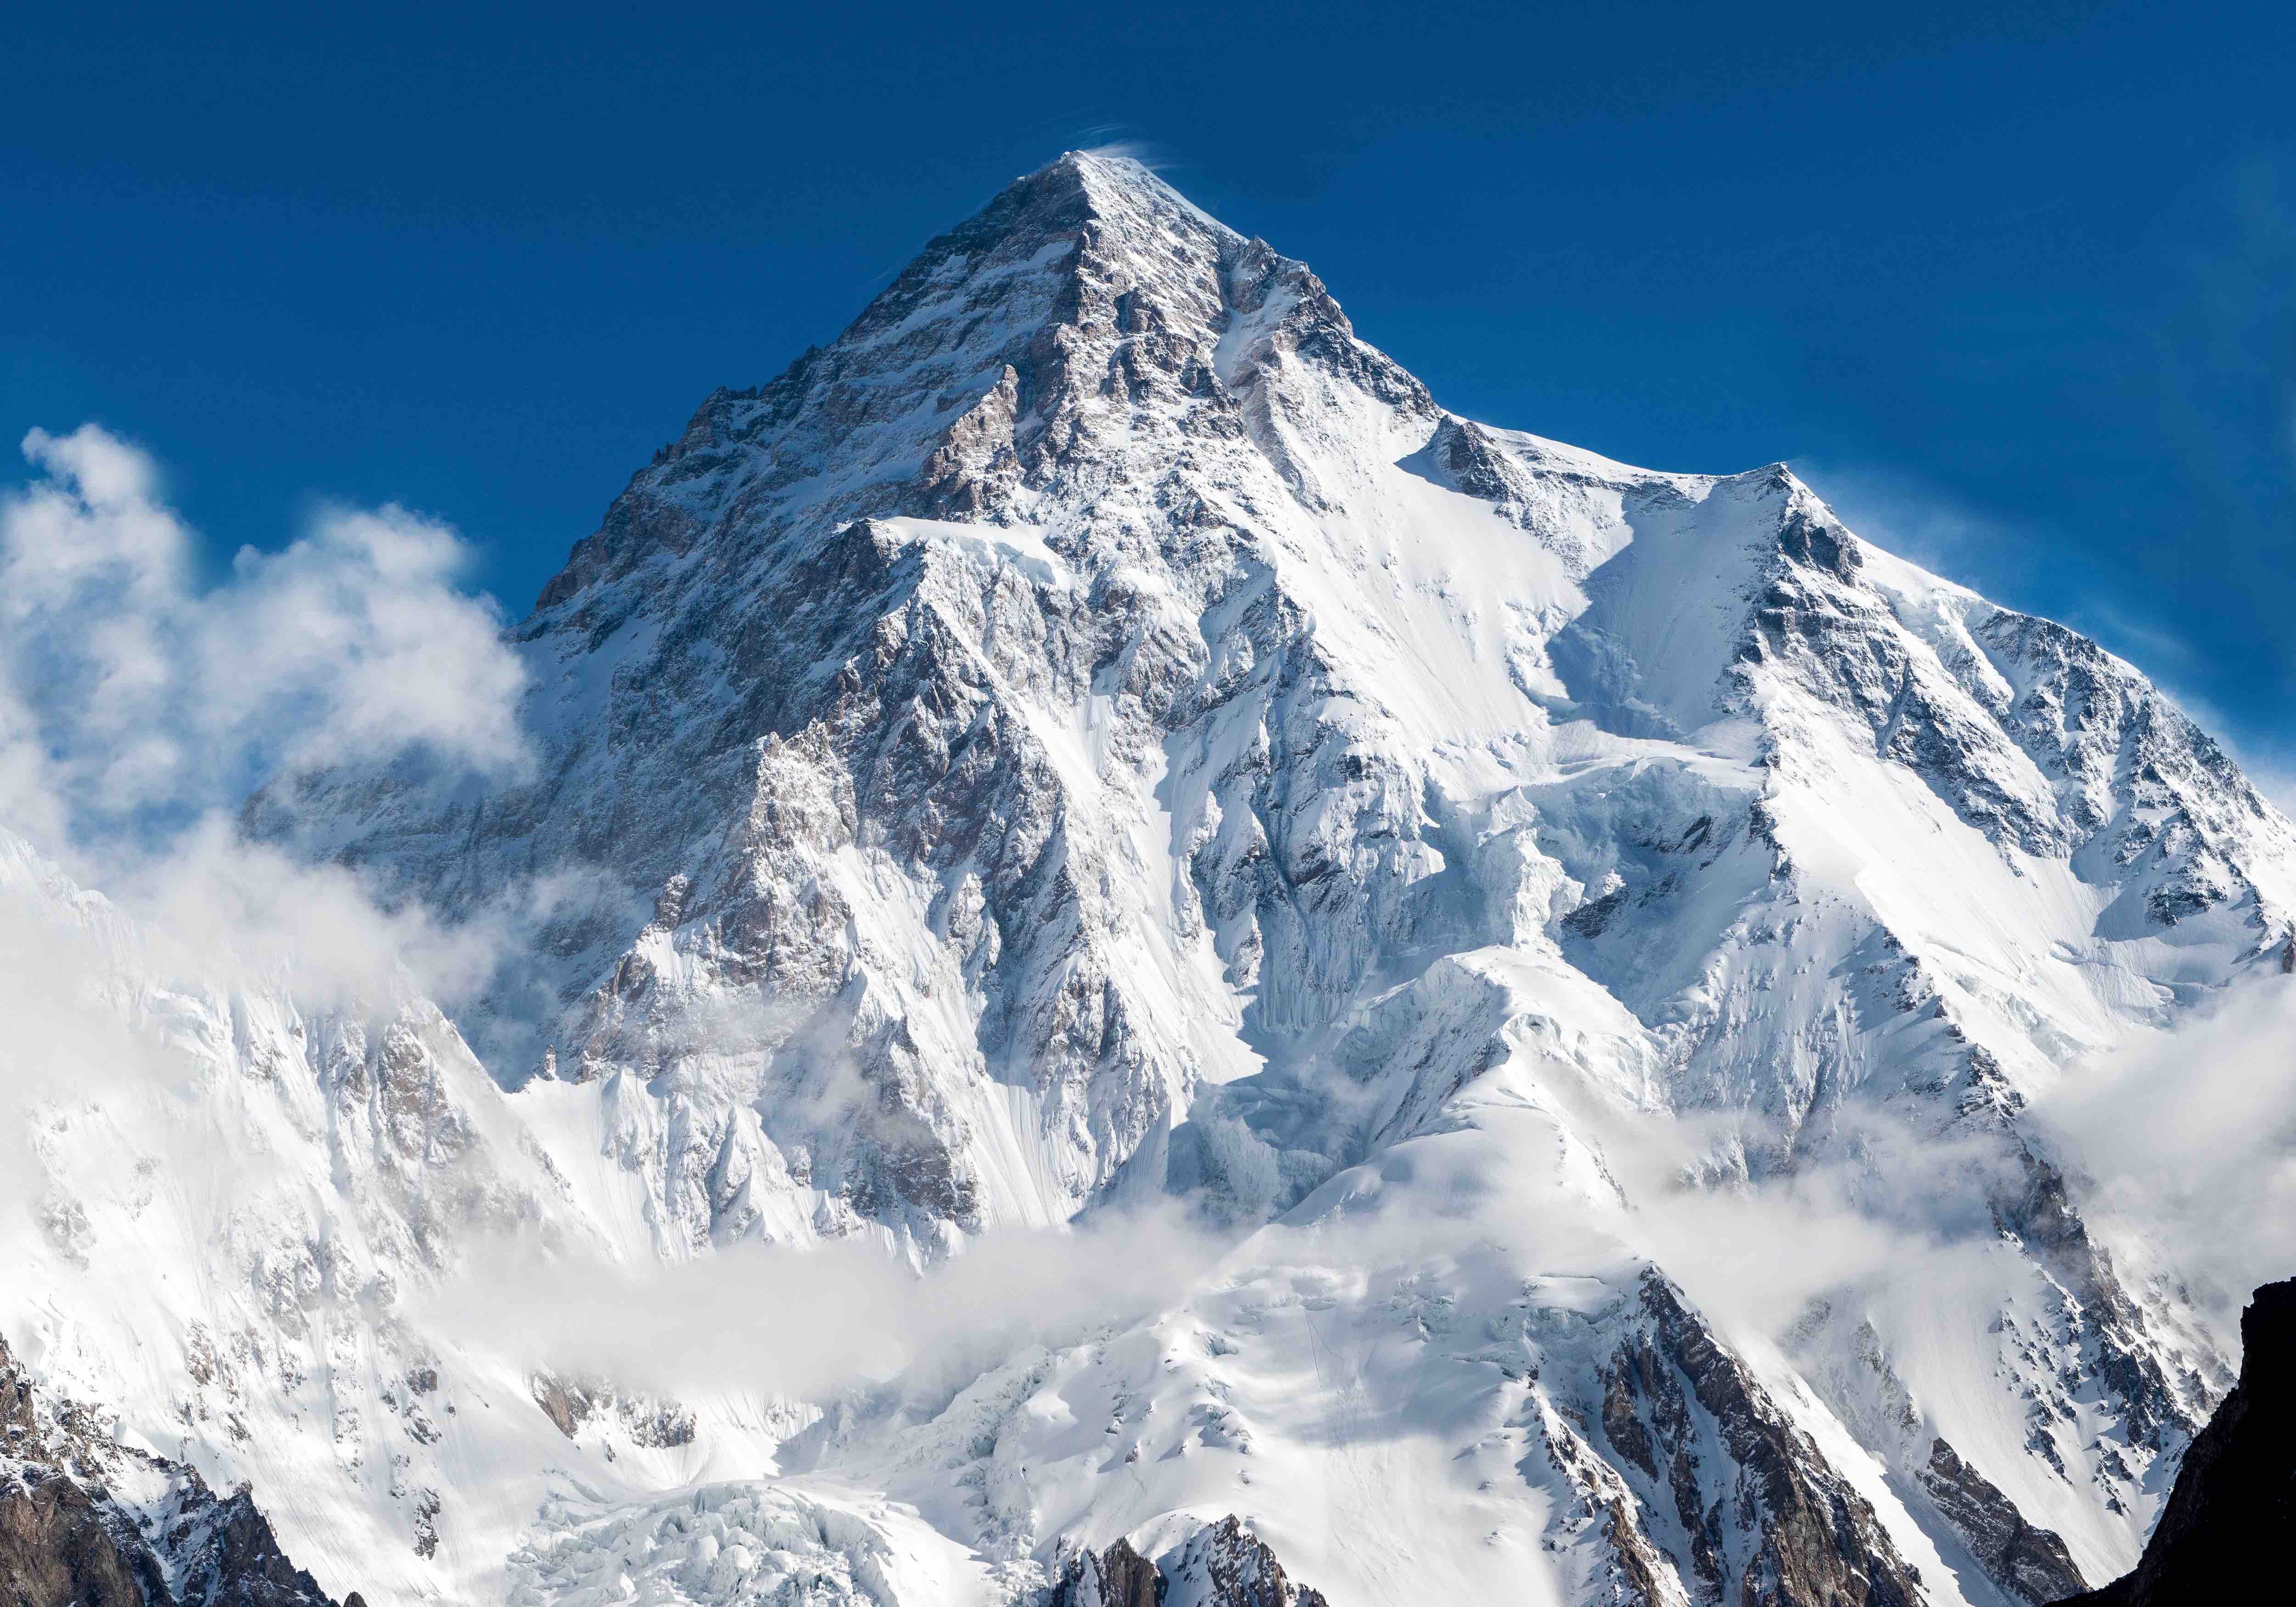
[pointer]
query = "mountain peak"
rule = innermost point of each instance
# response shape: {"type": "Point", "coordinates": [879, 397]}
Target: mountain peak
{"type": "Point", "coordinates": [1113, 167]}
{"type": "Point", "coordinates": [1108, 183]}
{"type": "Point", "coordinates": [1086, 296]}
{"type": "Point", "coordinates": [1099, 211]}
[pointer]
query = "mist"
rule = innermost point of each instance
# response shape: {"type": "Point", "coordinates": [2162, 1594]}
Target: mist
{"type": "Point", "coordinates": [805, 1324]}
{"type": "Point", "coordinates": [2186, 1145]}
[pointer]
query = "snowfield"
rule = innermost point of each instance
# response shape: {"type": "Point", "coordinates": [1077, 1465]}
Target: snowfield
{"type": "Point", "coordinates": [1569, 952]}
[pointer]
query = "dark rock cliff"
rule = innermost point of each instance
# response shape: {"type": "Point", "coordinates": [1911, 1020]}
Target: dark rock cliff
{"type": "Point", "coordinates": [2224, 1535]}
{"type": "Point", "coordinates": [2025, 1559]}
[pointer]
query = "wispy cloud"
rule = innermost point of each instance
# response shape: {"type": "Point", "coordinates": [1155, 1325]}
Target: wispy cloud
{"type": "Point", "coordinates": [136, 709]}
{"type": "Point", "coordinates": [806, 1323]}
{"type": "Point", "coordinates": [132, 695]}
{"type": "Point", "coordinates": [1904, 514]}
{"type": "Point", "coordinates": [2188, 1141]}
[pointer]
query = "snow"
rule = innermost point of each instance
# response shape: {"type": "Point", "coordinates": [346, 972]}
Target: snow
{"type": "Point", "coordinates": [737, 1544]}
{"type": "Point", "coordinates": [1020, 545]}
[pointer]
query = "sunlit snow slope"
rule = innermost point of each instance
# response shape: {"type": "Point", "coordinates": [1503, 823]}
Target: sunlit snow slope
{"type": "Point", "coordinates": [1100, 732]}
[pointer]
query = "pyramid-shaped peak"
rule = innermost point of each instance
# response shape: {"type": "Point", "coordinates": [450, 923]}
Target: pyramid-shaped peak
{"type": "Point", "coordinates": [1059, 246]}
{"type": "Point", "coordinates": [1086, 301]}
{"type": "Point", "coordinates": [1108, 195]}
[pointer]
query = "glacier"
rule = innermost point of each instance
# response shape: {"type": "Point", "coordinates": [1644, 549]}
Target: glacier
{"type": "Point", "coordinates": [1096, 746]}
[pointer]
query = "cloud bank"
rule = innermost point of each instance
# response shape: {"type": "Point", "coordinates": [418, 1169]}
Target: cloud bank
{"type": "Point", "coordinates": [806, 1323]}
{"type": "Point", "coordinates": [2187, 1139]}
{"type": "Point", "coordinates": [135, 697]}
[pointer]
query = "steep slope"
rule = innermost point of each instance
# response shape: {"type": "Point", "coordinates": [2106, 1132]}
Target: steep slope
{"type": "Point", "coordinates": [1099, 729]}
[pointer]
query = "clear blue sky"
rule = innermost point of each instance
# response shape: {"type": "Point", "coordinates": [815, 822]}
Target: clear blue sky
{"type": "Point", "coordinates": [2015, 284]}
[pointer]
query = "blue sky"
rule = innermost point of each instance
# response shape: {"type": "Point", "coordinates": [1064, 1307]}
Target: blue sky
{"type": "Point", "coordinates": [2014, 284]}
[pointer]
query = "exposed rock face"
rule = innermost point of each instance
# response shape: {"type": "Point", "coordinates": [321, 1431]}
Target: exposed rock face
{"type": "Point", "coordinates": [225, 1554]}
{"type": "Point", "coordinates": [2224, 1535]}
{"type": "Point", "coordinates": [2031, 1562]}
{"type": "Point", "coordinates": [1225, 1565]}
{"type": "Point", "coordinates": [68, 1540]}
{"type": "Point", "coordinates": [572, 1403]}
{"type": "Point", "coordinates": [61, 1546]}
{"type": "Point", "coordinates": [1118, 1577]}
{"type": "Point", "coordinates": [1773, 1522]}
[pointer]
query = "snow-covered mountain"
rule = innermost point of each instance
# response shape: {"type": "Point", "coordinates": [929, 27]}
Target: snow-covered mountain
{"type": "Point", "coordinates": [1098, 734]}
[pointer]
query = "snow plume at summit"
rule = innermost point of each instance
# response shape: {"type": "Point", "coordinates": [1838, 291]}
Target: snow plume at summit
{"type": "Point", "coordinates": [1087, 940]}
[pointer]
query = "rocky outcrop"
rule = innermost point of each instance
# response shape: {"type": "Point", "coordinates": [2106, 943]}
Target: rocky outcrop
{"type": "Point", "coordinates": [63, 1546]}
{"type": "Point", "coordinates": [1118, 1577]}
{"type": "Point", "coordinates": [1227, 1565]}
{"type": "Point", "coordinates": [572, 1403]}
{"type": "Point", "coordinates": [68, 1540]}
{"type": "Point", "coordinates": [1223, 1564]}
{"type": "Point", "coordinates": [2223, 1535]}
{"type": "Point", "coordinates": [2030, 1560]}
{"type": "Point", "coordinates": [1773, 1523]}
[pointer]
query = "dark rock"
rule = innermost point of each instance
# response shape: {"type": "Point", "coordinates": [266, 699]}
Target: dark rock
{"type": "Point", "coordinates": [226, 1555]}
{"type": "Point", "coordinates": [1227, 1565]}
{"type": "Point", "coordinates": [570, 1403]}
{"type": "Point", "coordinates": [67, 1541]}
{"type": "Point", "coordinates": [2224, 1534]}
{"type": "Point", "coordinates": [1816, 1542]}
{"type": "Point", "coordinates": [2031, 1562]}
{"type": "Point", "coordinates": [1223, 1564]}
{"type": "Point", "coordinates": [567, 1402]}
{"type": "Point", "coordinates": [1118, 1577]}
{"type": "Point", "coordinates": [2037, 1206]}
{"type": "Point", "coordinates": [61, 1546]}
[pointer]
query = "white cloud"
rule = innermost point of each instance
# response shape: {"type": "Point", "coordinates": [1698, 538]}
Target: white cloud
{"type": "Point", "coordinates": [805, 1324]}
{"type": "Point", "coordinates": [361, 626]}
{"type": "Point", "coordinates": [129, 689]}
{"type": "Point", "coordinates": [138, 707]}
{"type": "Point", "coordinates": [235, 913]}
{"type": "Point", "coordinates": [2188, 1138]}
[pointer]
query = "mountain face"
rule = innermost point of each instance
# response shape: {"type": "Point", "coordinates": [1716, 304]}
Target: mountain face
{"type": "Point", "coordinates": [2222, 1536]}
{"type": "Point", "coordinates": [1099, 734]}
